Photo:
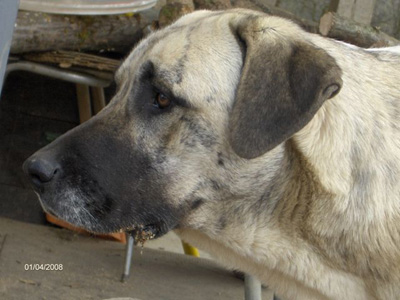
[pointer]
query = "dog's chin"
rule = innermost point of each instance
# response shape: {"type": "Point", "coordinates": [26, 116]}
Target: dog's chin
{"type": "Point", "coordinates": [78, 218]}
{"type": "Point", "coordinates": [141, 233]}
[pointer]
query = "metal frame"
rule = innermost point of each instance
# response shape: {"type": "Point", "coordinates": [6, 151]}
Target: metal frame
{"type": "Point", "coordinates": [8, 14]}
{"type": "Point", "coordinates": [62, 74]}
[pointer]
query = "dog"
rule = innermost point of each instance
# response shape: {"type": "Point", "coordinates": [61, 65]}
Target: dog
{"type": "Point", "coordinates": [273, 149]}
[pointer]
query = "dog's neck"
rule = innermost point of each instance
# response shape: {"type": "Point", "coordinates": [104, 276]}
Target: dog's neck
{"type": "Point", "coordinates": [267, 233]}
{"type": "Point", "coordinates": [353, 147]}
{"type": "Point", "coordinates": [356, 131]}
{"type": "Point", "coordinates": [347, 184]}
{"type": "Point", "coordinates": [262, 193]}
{"type": "Point", "coordinates": [270, 233]}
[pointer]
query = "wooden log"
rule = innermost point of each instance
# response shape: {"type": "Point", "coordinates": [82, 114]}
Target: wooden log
{"type": "Point", "coordinates": [36, 32]}
{"type": "Point", "coordinates": [334, 26]}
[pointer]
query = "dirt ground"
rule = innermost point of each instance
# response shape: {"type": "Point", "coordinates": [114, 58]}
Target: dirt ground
{"type": "Point", "coordinates": [92, 269]}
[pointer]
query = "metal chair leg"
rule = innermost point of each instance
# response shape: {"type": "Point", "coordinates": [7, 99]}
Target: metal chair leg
{"type": "Point", "coordinates": [252, 288]}
{"type": "Point", "coordinates": [8, 14]}
{"type": "Point", "coordinates": [128, 257]}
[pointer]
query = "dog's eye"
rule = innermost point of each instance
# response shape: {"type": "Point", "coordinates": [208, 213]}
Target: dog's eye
{"type": "Point", "coordinates": [161, 101]}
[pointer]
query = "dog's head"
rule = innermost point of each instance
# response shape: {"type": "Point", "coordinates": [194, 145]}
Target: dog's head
{"type": "Point", "coordinates": [195, 103]}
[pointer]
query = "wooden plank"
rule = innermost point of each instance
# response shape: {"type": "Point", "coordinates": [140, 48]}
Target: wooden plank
{"type": "Point", "coordinates": [98, 99]}
{"type": "Point", "coordinates": [66, 59]}
{"type": "Point", "coordinates": [84, 104]}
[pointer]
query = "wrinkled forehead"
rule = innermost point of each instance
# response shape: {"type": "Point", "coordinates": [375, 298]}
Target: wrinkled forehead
{"type": "Point", "coordinates": [171, 40]}
{"type": "Point", "coordinates": [194, 54]}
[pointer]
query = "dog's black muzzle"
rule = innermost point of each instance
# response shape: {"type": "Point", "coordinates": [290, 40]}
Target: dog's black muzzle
{"type": "Point", "coordinates": [95, 178]}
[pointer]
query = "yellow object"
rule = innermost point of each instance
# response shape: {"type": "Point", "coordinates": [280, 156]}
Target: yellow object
{"type": "Point", "coordinates": [190, 250]}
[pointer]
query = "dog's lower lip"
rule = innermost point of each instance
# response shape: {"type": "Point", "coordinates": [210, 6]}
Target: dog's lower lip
{"type": "Point", "coordinates": [143, 233]}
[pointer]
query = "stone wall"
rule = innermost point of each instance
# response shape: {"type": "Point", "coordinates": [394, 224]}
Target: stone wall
{"type": "Point", "coordinates": [386, 15]}
{"type": "Point", "coordinates": [307, 9]}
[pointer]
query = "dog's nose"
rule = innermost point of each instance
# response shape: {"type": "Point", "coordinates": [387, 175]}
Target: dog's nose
{"type": "Point", "coordinates": [40, 171]}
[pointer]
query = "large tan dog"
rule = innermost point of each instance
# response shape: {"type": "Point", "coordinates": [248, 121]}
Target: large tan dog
{"type": "Point", "coordinates": [276, 150]}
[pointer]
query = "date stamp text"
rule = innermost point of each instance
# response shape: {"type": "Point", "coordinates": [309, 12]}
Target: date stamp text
{"type": "Point", "coordinates": [43, 267]}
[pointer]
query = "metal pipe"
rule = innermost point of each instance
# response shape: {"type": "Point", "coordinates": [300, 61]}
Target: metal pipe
{"type": "Point", "coordinates": [128, 257]}
{"type": "Point", "coordinates": [67, 75]}
{"type": "Point", "coordinates": [8, 14]}
{"type": "Point", "coordinates": [252, 288]}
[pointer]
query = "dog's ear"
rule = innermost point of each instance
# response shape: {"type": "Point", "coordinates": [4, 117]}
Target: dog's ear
{"type": "Point", "coordinates": [282, 86]}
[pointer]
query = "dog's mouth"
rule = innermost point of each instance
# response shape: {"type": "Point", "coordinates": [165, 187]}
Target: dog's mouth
{"type": "Point", "coordinates": [143, 233]}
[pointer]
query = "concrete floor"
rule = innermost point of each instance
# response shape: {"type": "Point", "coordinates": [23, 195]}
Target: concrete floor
{"type": "Point", "coordinates": [92, 268]}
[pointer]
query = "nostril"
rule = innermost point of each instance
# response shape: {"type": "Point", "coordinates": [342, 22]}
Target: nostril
{"type": "Point", "coordinates": [40, 171]}
{"type": "Point", "coordinates": [37, 182]}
